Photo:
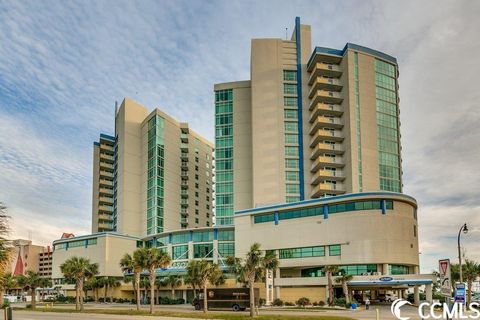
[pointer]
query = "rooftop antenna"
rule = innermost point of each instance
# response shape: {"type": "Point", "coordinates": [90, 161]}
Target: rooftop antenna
{"type": "Point", "coordinates": [286, 33]}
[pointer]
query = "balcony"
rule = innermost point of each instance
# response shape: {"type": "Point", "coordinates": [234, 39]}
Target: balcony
{"type": "Point", "coordinates": [107, 217]}
{"type": "Point", "coordinates": [107, 147]}
{"type": "Point", "coordinates": [184, 165]}
{"type": "Point", "coordinates": [184, 137]}
{"type": "Point", "coordinates": [184, 156]}
{"type": "Point", "coordinates": [106, 174]}
{"type": "Point", "coordinates": [327, 188]}
{"type": "Point", "coordinates": [184, 193]}
{"type": "Point", "coordinates": [325, 122]}
{"type": "Point", "coordinates": [107, 157]}
{"type": "Point", "coordinates": [184, 147]}
{"type": "Point", "coordinates": [321, 109]}
{"type": "Point", "coordinates": [329, 135]}
{"type": "Point", "coordinates": [105, 208]}
{"type": "Point", "coordinates": [328, 84]}
{"type": "Point", "coordinates": [184, 220]}
{"type": "Point", "coordinates": [184, 213]}
{"type": "Point", "coordinates": [321, 69]}
{"type": "Point", "coordinates": [323, 161]}
{"type": "Point", "coordinates": [184, 184]}
{"type": "Point", "coordinates": [105, 226]}
{"type": "Point", "coordinates": [106, 191]}
{"type": "Point", "coordinates": [106, 200]}
{"type": "Point", "coordinates": [326, 148]}
{"type": "Point", "coordinates": [107, 183]}
{"type": "Point", "coordinates": [325, 174]}
{"type": "Point", "coordinates": [184, 203]}
{"type": "Point", "coordinates": [327, 97]}
{"type": "Point", "coordinates": [184, 175]}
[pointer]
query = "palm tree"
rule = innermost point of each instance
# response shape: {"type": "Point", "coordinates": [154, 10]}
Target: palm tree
{"type": "Point", "coordinates": [152, 259]}
{"type": "Point", "coordinates": [6, 249]}
{"type": "Point", "coordinates": [31, 281]}
{"type": "Point", "coordinates": [253, 268]}
{"type": "Point", "coordinates": [471, 271]}
{"type": "Point", "coordinates": [7, 281]}
{"type": "Point", "coordinates": [343, 279]}
{"type": "Point", "coordinates": [129, 264]}
{"type": "Point", "coordinates": [192, 277]}
{"type": "Point", "coordinates": [205, 272]}
{"type": "Point", "coordinates": [92, 284]}
{"type": "Point", "coordinates": [78, 269]}
{"type": "Point", "coordinates": [174, 282]}
{"type": "Point", "coordinates": [45, 283]}
{"type": "Point", "coordinates": [330, 271]}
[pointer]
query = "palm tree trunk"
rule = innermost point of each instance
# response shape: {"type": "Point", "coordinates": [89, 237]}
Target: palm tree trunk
{"type": "Point", "coordinates": [105, 292]}
{"type": "Point", "coordinates": [80, 292]}
{"type": "Point", "coordinates": [152, 276]}
{"type": "Point", "coordinates": [205, 302]}
{"type": "Point", "coordinates": [173, 293]}
{"type": "Point", "coordinates": [77, 296]}
{"type": "Point", "coordinates": [2, 294]}
{"type": "Point", "coordinates": [137, 286]}
{"type": "Point", "coordinates": [345, 291]}
{"type": "Point", "coordinates": [32, 290]}
{"type": "Point", "coordinates": [96, 294]}
{"type": "Point", "coordinates": [251, 283]}
{"type": "Point", "coordinates": [469, 292]}
{"type": "Point", "coordinates": [330, 289]}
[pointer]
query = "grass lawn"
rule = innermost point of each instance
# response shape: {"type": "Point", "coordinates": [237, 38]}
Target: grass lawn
{"type": "Point", "coordinates": [198, 315]}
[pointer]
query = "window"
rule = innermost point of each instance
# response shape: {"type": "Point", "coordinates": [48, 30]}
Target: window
{"type": "Point", "coordinates": [289, 75]}
{"type": "Point", "coordinates": [196, 220]}
{"type": "Point", "coordinates": [226, 249]}
{"type": "Point", "coordinates": [208, 223]}
{"type": "Point", "coordinates": [291, 163]}
{"type": "Point", "coordinates": [291, 126]}
{"type": "Point", "coordinates": [290, 114]}
{"type": "Point", "coordinates": [398, 269]}
{"type": "Point", "coordinates": [291, 138]}
{"type": "Point", "coordinates": [292, 176]}
{"type": "Point", "coordinates": [290, 101]}
{"type": "Point", "coordinates": [180, 238]}
{"type": "Point", "coordinates": [202, 236]}
{"type": "Point", "coordinates": [204, 250]}
{"type": "Point", "coordinates": [334, 250]}
{"type": "Point", "coordinates": [291, 151]}
{"type": "Point", "coordinates": [264, 218]}
{"type": "Point", "coordinates": [180, 252]}
{"type": "Point", "coordinates": [289, 88]}
{"type": "Point", "coordinates": [292, 188]}
{"type": "Point", "coordinates": [305, 252]}
{"type": "Point", "coordinates": [226, 235]}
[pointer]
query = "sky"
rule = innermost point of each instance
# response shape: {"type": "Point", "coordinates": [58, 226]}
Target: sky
{"type": "Point", "coordinates": [63, 64]}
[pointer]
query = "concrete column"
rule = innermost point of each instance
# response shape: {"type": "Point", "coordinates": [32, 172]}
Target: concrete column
{"type": "Point", "coordinates": [277, 276]}
{"type": "Point", "coordinates": [184, 295]}
{"type": "Point", "coordinates": [215, 251]}
{"type": "Point", "coordinates": [385, 268]}
{"type": "Point", "coordinates": [190, 250]}
{"type": "Point", "coordinates": [428, 292]}
{"type": "Point", "coordinates": [373, 294]}
{"type": "Point", "coordinates": [416, 295]}
{"type": "Point", "coordinates": [415, 270]}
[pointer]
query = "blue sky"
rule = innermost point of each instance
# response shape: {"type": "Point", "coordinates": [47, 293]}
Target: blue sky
{"type": "Point", "coordinates": [63, 64]}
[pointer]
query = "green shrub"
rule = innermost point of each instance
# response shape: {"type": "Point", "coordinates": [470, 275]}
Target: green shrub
{"type": "Point", "coordinates": [261, 302]}
{"type": "Point", "coordinates": [289, 304]}
{"type": "Point", "coordinates": [28, 306]}
{"type": "Point", "coordinates": [341, 302]}
{"type": "Point", "coordinates": [302, 302]}
{"type": "Point", "coordinates": [6, 303]}
{"type": "Point", "coordinates": [321, 303]}
{"type": "Point", "coordinates": [277, 302]}
{"type": "Point", "coordinates": [348, 305]}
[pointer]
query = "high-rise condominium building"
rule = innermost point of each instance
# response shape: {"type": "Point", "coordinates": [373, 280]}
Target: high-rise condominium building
{"type": "Point", "coordinates": [308, 124]}
{"type": "Point", "coordinates": [155, 175]}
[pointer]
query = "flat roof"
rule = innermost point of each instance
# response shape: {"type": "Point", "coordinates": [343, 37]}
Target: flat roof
{"type": "Point", "coordinates": [351, 46]}
{"type": "Point", "coordinates": [331, 200]}
{"type": "Point", "coordinates": [96, 235]}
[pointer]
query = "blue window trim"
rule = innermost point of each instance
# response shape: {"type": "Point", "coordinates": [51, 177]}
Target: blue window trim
{"type": "Point", "coordinates": [299, 105]}
{"type": "Point", "coordinates": [276, 217]}
{"type": "Point", "coordinates": [215, 234]}
{"type": "Point", "coordinates": [383, 205]}
{"type": "Point", "coordinates": [325, 212]}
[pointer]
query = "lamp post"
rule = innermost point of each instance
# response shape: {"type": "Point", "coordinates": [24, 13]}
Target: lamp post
{"type": "Point", "coordinates": [465, 230]}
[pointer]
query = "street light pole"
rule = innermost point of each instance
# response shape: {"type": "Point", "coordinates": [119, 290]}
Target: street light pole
{"type": "Point", "coordinates": [465, 230]}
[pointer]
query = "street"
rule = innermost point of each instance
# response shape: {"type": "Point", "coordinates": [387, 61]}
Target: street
{"type": "Point", "coordinates": [361, 314]}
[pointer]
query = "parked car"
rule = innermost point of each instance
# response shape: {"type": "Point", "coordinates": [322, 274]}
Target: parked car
{"type": "Point", "coordinates": [387, 297]}
{"type": "Point", "coordinates": [234, 299]}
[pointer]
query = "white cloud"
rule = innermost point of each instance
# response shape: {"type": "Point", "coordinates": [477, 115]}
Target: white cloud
{"type": "Point", "coordinates": [62, 66]}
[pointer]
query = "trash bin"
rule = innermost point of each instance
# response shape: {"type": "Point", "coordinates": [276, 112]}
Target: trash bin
{"type": "Point", "coordinates": [354, 306]}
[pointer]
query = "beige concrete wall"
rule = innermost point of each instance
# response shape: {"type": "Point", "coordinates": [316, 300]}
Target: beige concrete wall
{"type": "Point", "coordinates": [366, 236]}
{"type": "Point", "coordinates": [130, 164]}
{"type": "Point", "coordinates": [242, 145]}
{"type": "Point", "coordinates": [315, 294]}
{"type": "Point", "coordinates": [107, 253]}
